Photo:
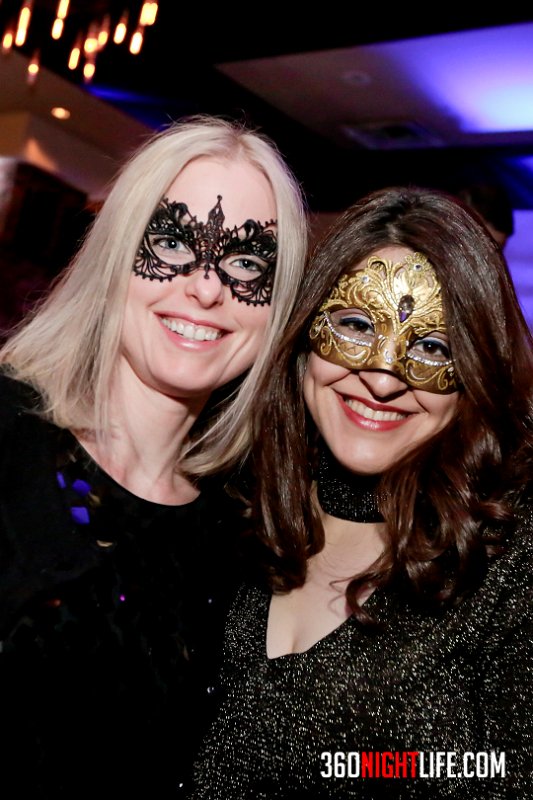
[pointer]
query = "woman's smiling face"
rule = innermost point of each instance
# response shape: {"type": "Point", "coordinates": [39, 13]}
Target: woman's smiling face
{"type": "Point", "coordinates": [198, 300]}
{"type": "Point", "coordinates": [372, 416]}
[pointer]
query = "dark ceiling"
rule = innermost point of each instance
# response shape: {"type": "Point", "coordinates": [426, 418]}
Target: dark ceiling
{"type": "Point", "coordinates": [176, 75]}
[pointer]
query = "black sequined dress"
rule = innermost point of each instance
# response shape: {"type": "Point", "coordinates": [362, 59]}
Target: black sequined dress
{"type": "Point", "coordinates": [458, 683]}
{"type": "Point", "coordinates": [111, 611]}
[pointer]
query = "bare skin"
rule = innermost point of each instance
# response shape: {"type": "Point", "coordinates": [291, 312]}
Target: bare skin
{"type": "Point", "coordinates": [146, 438]}
{"type": "Point", "coordinates": [299, 619]}
{"type": "Point", "coordinates": [164, 377]}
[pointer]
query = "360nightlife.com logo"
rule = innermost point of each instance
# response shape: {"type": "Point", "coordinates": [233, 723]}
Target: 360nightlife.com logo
{"type": "Point", "coordinates": [412, 764]}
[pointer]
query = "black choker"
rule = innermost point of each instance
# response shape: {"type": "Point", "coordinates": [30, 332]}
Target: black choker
{"type": "Point", "coordinates": [345, 494]}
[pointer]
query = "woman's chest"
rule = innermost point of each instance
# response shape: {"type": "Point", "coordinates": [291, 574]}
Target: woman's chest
{"type": "Point", "coordinates": [412, 683]}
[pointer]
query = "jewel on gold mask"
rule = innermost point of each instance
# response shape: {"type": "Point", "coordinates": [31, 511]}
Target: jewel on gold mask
{"type": "Point", "coordinates": [388, 316]}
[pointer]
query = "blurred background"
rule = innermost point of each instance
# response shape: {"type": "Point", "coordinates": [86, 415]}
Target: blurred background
{"type": "Point", "coordinates": [439, 100]}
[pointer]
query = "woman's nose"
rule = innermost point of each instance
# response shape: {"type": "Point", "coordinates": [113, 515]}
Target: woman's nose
{"type": "Point", "coordinates": [205, 286]}
{"type": "Point", "coordinates": [382, 383]}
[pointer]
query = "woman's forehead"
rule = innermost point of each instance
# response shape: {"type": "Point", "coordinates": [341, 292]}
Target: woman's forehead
{"type": "Point", "coordinates": [395, 254]}
{"type": "Point", "coordinates": [244, 190]}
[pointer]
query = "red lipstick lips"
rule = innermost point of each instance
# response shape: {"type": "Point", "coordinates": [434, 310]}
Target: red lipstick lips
{"type": "Point", "coordinates": [372, 416]}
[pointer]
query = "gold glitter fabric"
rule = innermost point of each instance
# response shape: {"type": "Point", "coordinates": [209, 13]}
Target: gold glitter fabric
{"type": "Point", "coordinates": [460, 682]}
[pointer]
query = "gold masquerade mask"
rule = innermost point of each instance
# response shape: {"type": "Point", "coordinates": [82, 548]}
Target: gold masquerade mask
{"type": "Point", "coordinates": [388, 316]}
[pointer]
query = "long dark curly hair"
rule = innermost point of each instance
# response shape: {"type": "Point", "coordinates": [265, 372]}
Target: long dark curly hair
{"type": "Point", "coordinates": [449, 504]}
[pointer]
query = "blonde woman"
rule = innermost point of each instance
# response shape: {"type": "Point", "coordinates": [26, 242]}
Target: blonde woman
{"type": "Point", "coordinates": [118, 544]}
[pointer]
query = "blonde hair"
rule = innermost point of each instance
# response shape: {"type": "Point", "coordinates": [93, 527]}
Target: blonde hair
{"type": "Point", "coordinates": [68, 347]}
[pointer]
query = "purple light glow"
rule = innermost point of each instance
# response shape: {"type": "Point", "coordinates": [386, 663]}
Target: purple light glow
{"type": "Point", "coordinates": [482, 79]}
{"type": "Point", "coordinates": [519, 255]}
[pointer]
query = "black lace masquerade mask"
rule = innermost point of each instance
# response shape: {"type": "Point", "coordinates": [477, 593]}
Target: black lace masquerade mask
{"type": "Point", "coordinates": [175, 243]}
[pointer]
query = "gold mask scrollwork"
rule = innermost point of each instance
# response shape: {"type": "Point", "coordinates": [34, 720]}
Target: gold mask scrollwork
{"type": "Point", "coordinates": [389, 317]}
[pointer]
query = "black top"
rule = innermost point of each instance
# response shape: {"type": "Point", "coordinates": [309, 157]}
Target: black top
{"type": "Point", "coordinates": [459, 682]}
{"type": "Point", "coordinates": [112, 610]}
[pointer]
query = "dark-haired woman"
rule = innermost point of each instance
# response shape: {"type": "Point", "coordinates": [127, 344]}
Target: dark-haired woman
{"type": "Point", "coordinates": [389, 652]}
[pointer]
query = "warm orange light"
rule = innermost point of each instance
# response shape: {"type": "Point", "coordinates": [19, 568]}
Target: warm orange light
{"type": "Point", "coordinates": [103, 33]}
{"type": "Point", "coordinates": [120, 33]}
{"type": "Point", "coordinates": [33, 68]}
{"type": "Point", "coordinates": [20, 36]}
{"type": "Point", "coordinates": [59, 112]}
{"type": "Point", "coordinates": [7, 41]}
{"type": "Point", "coordinates": [90, 44]}
{"type": "Point", "coordinates": [136, 42]}
{"type": "Point", "coordinates": [74, 58]}
{"type": "Point", "coordinates": [57, 28]}
{"type": "Point", "coordinates": [88, 71]}
{"type": "Point", "coordinates": [148, 14]}
{"type": "Point", "coordinates": [145, 13]}
{"type": "Point", "coordinates": [121, 29]}
{"type": "Point", "coordinates": [23, 23]}
{"type": "Point", "coordinates": [62, 8]}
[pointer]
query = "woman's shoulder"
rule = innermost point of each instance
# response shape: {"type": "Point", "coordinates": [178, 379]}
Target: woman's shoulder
{"type": "Point", "coordinates": [517, 556]}
{"type": "Point", "coordinates": [504, 602]}
{"type": "Point", "coordinates": [16, 396]}
{"type": "Point", "coordinates": [510, 560]}
{"type": "Point", "coordinates": [19, 402]}
{"type": "Point", "coordinates": [517, 561]}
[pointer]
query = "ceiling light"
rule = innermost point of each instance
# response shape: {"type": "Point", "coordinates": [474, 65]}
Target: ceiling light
{"type": "Point", "coordinates": [33, 68]}
{"type": "Point", "coordinates": [88, 71]}
{"type": "Point", "coordinates": [7, 41]}
{"type": "Point", "coordinates": [87, 39]}
{"type": "Point", "coordinates": [57, 28]}
{"type": "Point", "coordinates": [136, 41]}
{"type": "Point", "coordinates": [60, 113]}
{"type": "Point", "coordinates": [148, 14]}
{"type": "Point", "coordinates": [23, 22]}
{"type": "Point", "coordinates": [62, 9]}
{"type": "Point", "coordinates": [121, 29]}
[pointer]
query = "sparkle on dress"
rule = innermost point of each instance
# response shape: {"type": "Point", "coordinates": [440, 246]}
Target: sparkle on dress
{"type": "Point", "coordinates": [461, 681]}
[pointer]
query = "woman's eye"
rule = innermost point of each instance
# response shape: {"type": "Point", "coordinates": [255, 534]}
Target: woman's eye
{"type": "Point", "coordinates": [434, 349]}
{"type": "Point", "coordinates": [350, 322]}
{"type": "Point", "coordinates": [242, 268]}
{"type": "Point", "coordinates": [169, 243]}
{"type": "Point", "coordinates": [246, 264]}
{"type": "Point", "coordinates": [171, 249]}
{"type": "Point", "coordinates": [358, 324]}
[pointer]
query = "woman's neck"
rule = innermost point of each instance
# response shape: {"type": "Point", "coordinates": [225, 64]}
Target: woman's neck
{"type": "Point", "coordinates": [349, 547]}
{"type": "Point", "coordinates": [354, 531]}
{"type": "Point", "coordinates": [148, 432]}
{"type": "Point", "coordinates": [303, 616]}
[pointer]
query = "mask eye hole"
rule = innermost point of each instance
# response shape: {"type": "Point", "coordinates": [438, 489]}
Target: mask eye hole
{"type": "Point", "coordinates": [170, 249]}
{"type": "Point", "coordinates": [354, 324]}
{"type": "Point", "coordinates": [431, 349]}
{"type": "Point", "coordinates": [243, 268]}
